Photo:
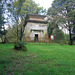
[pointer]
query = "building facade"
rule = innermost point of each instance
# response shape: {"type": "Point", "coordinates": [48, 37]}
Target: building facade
{"type": "Point", "coordinates": [35, 29]}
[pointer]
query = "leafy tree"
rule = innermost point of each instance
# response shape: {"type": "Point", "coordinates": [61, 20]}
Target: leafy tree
{"type": "Point", "coordinates": [64, 9]}
{"type": "Point", "coordinates": [12, 34]}
{"type": "Point", "coordinates": [2, 28]}
{"type": "Point", "coordinates": [57, 32]}
{"type": "Point", "coordinates": [19, 9]}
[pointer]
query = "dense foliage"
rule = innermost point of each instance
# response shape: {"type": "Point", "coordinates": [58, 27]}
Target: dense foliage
{"type": "Point", "coordinates": [59, 35]}
{"type": "Point", "coordinates": [64, 13]}
{"type": "Point", "coordinates": [20, 46]}
{"type": "Point", "coordinates": [18, 10]}
{"type": "Point", "coordinates": [2, 22]}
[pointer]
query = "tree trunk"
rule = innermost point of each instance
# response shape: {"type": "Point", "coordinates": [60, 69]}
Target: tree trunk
{"type": "Point", "coordinates": [21, 33]}
{"type": "Point", "coordinates": [70, 36]}
{"type": "Point", "coordinates": [2, 39]}
{"type": "Point", "coordinates": [17, 34]}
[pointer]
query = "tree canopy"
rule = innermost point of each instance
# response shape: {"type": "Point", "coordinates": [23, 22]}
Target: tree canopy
{"type": "Point", "coordinates": [19, 9]}
{"type": "Point", "coordinates": [2, 22]}
{"type": "Point", "coordinates": [64, 11]}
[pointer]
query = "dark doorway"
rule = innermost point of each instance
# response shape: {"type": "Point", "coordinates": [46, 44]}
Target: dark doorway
{"type": "Point", "coordinates": [36, 38]}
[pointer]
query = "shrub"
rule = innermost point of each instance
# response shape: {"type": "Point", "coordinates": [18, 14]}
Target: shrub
{"type": "Point", "coordinates": [20, 45]}
{"type": "Point", "coordinates": [59, 35]}
{"type": "Point", "coordinates": [66, 41]}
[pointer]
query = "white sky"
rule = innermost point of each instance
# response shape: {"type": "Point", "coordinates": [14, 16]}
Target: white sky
{"type": "Point", "coordinates": [45, 3]}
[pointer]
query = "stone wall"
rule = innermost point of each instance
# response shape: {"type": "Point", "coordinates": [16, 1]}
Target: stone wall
{"type": "Point", "coordinates": [32, 29]}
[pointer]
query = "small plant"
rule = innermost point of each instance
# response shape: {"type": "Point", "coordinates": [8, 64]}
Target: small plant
{"type": "Point", "coordinates": [20, 45]}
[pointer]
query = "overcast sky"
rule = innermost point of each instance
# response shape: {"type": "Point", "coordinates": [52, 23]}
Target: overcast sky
{"type": "Point", "coordinates": [45, 3]}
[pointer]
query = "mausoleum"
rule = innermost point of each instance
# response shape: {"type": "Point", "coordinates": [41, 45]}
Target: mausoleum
{"type": "Point", "coordinates": [35, 28]}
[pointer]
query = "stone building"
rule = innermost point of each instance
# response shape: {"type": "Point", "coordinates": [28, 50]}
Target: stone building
{"type": "Point", "coordinates": [35, 29]}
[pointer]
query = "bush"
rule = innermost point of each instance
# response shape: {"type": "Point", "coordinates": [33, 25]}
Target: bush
{"type": "Point", "coordinates": [20, 46]}
{"type": "Point", "coordinates": [66, 39]}
{"type": "Point", "coordinates": [59, 35]}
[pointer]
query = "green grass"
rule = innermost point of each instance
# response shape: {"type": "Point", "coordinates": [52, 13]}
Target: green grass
{"type": "Point", "coordinates": [38, 60]}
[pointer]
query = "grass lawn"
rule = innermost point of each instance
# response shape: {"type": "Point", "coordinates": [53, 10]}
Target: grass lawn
{"type": "Point", "coordinates": [38, 60]}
